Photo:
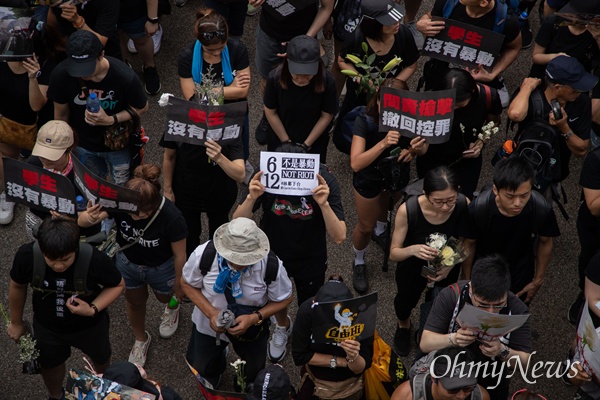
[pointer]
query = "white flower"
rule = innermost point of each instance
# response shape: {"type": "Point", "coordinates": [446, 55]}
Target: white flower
{"type": "Point", "coordinates": [437, 241]}
{"type": "Point", "coordinates": [164, 99]}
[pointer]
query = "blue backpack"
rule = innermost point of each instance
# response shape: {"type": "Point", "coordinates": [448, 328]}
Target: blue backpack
{"type": "Point", "coordinates": [501, 11]}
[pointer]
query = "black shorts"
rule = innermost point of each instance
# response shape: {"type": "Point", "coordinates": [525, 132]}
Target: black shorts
{"type": "Point", "coordinates": [55, 347]}
{"type": "Point", "coordinates": [365, 187]}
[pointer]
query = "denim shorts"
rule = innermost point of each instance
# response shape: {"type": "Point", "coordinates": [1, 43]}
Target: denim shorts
{"type": "Point", "coordinates": [134, 29]}
{"type": "Point", "coordinates": [101, 163]}
{"type": "Point", "coordinates": [161, 278]}
{"type": "Point", "coordinates": [267, 49]}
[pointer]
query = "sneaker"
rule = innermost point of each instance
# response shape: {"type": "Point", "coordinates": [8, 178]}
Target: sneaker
{"type": "Point", "coordinates": [575, 309]}
{"type": "Point", "coordinates": [380, 239]}
{"type": "Point", "coordinates": [157, 39]}
{"type": "Point", "coordinates": [169, 322]}
{"type": "Point", "coordinates": [131, 47]}
{"type": "Point", "coordinates": [418, 36]}
{"type": "Point", "coordinates": [359, 278]}
{"type": "Point", "coordinates": [140, 351]}
{"type": "Point", "coordinates": [262, 130]}
{"type": "Point", "coordinates": [402, 341]}
{"type": "Point", "coordinates": [526, 35]}
{"type": "Point", "coordinates": [128, 63]}
{"type": "Point", "coordinates": [180, 3]}
{"type": "Point", "coordinates": [62, 397]}
{"type": "Point", "coordinates": [7, 210]}
{"type": "Point", "coordinates": [151, 80]}
{"type": "Point", "coordinates": [252, 11]}
{"type": "Point", "coordinates": [278, 344]}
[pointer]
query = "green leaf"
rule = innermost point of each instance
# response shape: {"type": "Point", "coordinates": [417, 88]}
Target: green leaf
{"type": "Point", "coordinates": [365, 47]}
{"type": "Point", "coordinates": [371, 58]}
{"type": "Point", "coordinates": [363, 66]}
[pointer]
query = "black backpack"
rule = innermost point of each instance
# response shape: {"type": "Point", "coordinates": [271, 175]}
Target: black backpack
{"type": "Point", "coordinates": [209, 254]}
{"type": "Point", "coordinates": [81, 266]}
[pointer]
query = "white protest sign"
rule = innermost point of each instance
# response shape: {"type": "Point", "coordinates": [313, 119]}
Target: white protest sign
{"type": "Point", "coordinates": [289, 173]}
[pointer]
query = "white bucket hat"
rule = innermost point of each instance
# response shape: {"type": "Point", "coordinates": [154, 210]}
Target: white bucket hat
{"type": "Point", "coordinates": [241, 242]}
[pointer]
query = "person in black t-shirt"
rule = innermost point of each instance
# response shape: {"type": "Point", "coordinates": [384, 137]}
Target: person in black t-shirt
{"type": "Point", "coordinates": [86, 70]}
{"type": "Point", "coordinates": [565, 81]}
{"type": "Point", "coordinates": [152, 253]}
{"type": "Point", "coordinates": [62, 316]}
{"type": "Point", "coordinates": [300, 99]}
{"type": "Point", "coordinates": [483, 15]}
{"type": "Point", "coordinates": [509, 228]}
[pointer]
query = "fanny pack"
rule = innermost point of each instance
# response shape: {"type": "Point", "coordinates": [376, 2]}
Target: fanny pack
{"type": "Point", "coordinates": [348, 389]}
{"type": "Point", "coordinates": [254, 331]}
{"type": "Point", "coordinates": [16, 134]}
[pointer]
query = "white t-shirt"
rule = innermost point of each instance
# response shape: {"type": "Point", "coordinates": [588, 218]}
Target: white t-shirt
{"type": "Point", "coordinates": [254, 289]}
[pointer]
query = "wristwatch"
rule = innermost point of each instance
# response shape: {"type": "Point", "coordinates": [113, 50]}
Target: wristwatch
{"type": "Point", "coordinates": [333, 362]}
{"type": "Point", "coordinates": [567, 135]}
{"type": "Point", "coordinates": [504, 353]}
{"type": "Point", "coordinates": [260, 317]}
{"type": "Point", "coordinates": [153, 20]}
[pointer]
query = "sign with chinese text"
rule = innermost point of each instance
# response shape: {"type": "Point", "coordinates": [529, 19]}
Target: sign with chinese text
{"type": "Point", "coordinates": [16, 33]}
{"type": "Point", "coordinates": [289, 173]}
{"type": "Point", "coordinates": [82, 384]}
{"type": "Point", "coordinates": [464, 44]}
{"type": "Point", "coordinates": [282, 8]}
{"type": "Point", "coordinates": [336, 321]}
{"type": "Point", "coordinates": [112, 198]}
{"type": "Point", "coordinates": [426, 114]}
{"type": "Point", "coordinates": [38, 188]}
{"type": "Point", "coordinates": [192, 123]}
{"type": "Point", "coordinates": [209, 392]}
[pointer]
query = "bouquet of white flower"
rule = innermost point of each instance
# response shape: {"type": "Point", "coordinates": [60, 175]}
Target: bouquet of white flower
{"type": "Point", "coordinates": [450, 253]}
{"type": "Point", "coordinates": [28, 352]}
{"type": "Point", "coordinates": [239, 365]}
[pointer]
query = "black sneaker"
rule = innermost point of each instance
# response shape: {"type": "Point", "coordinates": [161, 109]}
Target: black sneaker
{"type": "Point", "coordinates": [575, 309]}
{"type": "Point", "coordinates": [380, 239]}
{"type": "Point", "coordinates": [526, 36]}
{"type": "Point", "coordinates": [402, 341]}
{"type": "Point", "coordinates": [262, 130]}
{"type": "Point", "coordinates": [151, 80]}
{"type": "Point", "coordinates": [359, 278]}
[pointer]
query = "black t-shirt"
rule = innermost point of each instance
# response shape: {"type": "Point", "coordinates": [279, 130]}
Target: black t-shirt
{"type": "Point", "coordinates": [49, 308]}
{"type": "Point", "coordinates": [14, 96]}
{"type": "Point", "coordinates": [92, 230]}
{"type": "Point", "coordinates": [101, 16]}
{"type": "Point", "coordinates": [238, 55]}
{"type": "Point", "coordinates": [590, 179]}
{"type": "Point", "coordinates": [295, 225]}
{"type": "Point", "coordinates": [131, 10]}
{"type": "Point", "coordinates": [559, 39]}
{"type": "Point", "coordinates": [440, 317]}
{"type": "Point", "coordinates": [511, 237]}
{"type": "Point", "coordinates": [199, 183]}
{"type": "Point", "coordinates": [472, 116]}
{"type": "Point", "coordinates": [579, 114]}
{"type": "Point", "coordinates": [299, 108]}
{"type": "Point", "coordinates": [154, 246]}
{"type": "Point", "coordinates": [366, 128]}
{"type": "Point", "coordinates": [282, 21]}
{"type": "Point", "coordinates": [120, 88]}
{"type": "Point", "coordinates": [47, 112]}
{"type": "Point", "coordinates": [404, 47]}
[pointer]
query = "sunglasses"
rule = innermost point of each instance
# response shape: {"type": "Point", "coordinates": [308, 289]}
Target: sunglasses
{"type": "Point", "coordinates": [525, 390]}
{"type": "Point", "coordinates": [220, 33]}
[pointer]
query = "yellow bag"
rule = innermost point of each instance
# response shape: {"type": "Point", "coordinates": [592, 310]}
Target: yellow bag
{"type": "Point", "coordinates": [386, 372]}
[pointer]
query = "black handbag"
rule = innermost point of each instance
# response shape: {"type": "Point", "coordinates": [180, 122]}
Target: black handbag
{"type": "Point", "coordinates": [253, 332]}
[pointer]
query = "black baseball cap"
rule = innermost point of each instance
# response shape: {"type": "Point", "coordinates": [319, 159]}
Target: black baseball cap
{"type": "Point", "coordinates": [566, 70]}
{"type": "Point", "coordinates": [272, 383]}
{"type": "Point", "coordinates": [453, 376]}
{"type": "Point", "coordinates": [386, 12]}
{"type": "Point", "coordinates": [303, 55]}
{"type": "Point", "coordinates": [591, 7]}
{"type": "Point", "coordinates": [128, 374]}
{"type": "Point", "coordinates": [83, 49]}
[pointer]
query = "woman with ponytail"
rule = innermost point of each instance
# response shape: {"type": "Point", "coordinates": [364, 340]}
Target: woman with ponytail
{"type": "Point", "coordinates": [152, 253]}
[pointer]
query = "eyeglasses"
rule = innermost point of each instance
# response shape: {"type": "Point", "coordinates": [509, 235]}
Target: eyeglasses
{"type": "Point", "coordinates": [539, 396]}
{"type": "Point", "coordinates": [220, 33]}
{"type": "Point", "coordinates": [439, 203]}
{"type": "Point", "coordinates": [466, 389]}
{"type": "Point", "coordinates": [485, 306]}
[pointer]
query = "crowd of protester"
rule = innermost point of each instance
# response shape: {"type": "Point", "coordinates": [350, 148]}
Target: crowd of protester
{"type": "Point", "coordinates": [507, 228]}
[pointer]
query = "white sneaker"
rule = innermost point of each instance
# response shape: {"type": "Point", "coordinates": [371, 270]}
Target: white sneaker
{"type": "Point", "coordinates": [170, 322]}
{"type": "Point", "coordinates": [278, 344]}
{"type": "Point", "coordinates": [7, 209]}
{"type": "Point", "coordinates": [156, 39]}
{"type": "Point", "coordinates": [139, 351]}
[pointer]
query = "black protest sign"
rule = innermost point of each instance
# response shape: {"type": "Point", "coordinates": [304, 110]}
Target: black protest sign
{"type": "Point", "coordinates": [193, 123]}
{"type": "Point", "coordinates": [336, 321]}
{"type": "Point", "coordinates": [425, 114]}
{"type": "Point", "coordinates": [280, 9]}
{"type": "Point", "coordinates": [464, 44]}
{"type": "Point", "coordinates": [17, 28]}
{"type": "Point", "coordinates": [112, 198]}
{"type": "Point", "coordinates": [38, 188]}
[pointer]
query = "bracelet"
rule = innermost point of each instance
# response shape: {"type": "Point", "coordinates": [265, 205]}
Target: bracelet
{"type": "Point", "coordinates": [351, 360]}
{"type": "Point", "coordinates": [450, 340]}
{"type": "Point", "coordinates": [96, 311]}
{"type": "Point", "coordinates": [153, 20]}
{"type": "Point", "coordinates": [79, 25]}
{"type": "Point", "coordinates": [115, 119]}
{"type": "Point", "coordinates": [305, 146]}
{"type": "Point", "coordinates": [567, 135]}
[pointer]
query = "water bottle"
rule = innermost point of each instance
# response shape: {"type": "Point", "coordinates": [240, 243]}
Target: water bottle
{"type": "Point", "coordinates": [81, 203]}
{"type": "Point", "coordinates": [523, 17]}
{"type": "Point", "coordinates": [506, 150]}
{"type": "Point", "coordinates": [173, 302]}
{"type": "Point", "coordinates": [92, 104]}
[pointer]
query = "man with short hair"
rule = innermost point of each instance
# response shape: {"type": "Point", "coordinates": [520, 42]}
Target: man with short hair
{"type": "Point", "coordinates": [514, 221]}
{"type": "Point", "coordinates": [444, 379]}
{"type": "Point", "coordinates": [87, 71]}
{"type": "Point", "coordinates": [66, 313]}
{"type": "Point", "coordinates": [488, 290]}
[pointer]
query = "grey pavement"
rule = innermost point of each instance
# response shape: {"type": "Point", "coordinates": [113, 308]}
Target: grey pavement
{"type": "Point", "coordinates": [552, 332]}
